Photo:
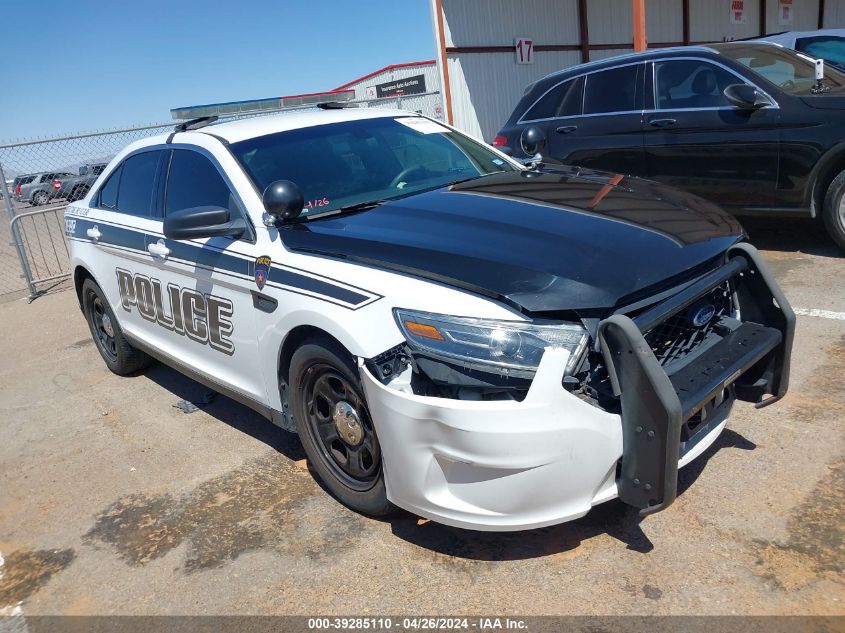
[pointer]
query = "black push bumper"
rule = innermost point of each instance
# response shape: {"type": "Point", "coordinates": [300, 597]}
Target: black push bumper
{"type": "Point", "coordinates": [751, 361]}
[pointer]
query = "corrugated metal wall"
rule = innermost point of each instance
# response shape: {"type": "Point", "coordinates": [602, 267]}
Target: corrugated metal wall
{"type": "Point", "coordinates": [834, 14]}
{"type": "Point", "coordinates": [486, 82]}
{"type": "Point", "coordinates": [432, 78]}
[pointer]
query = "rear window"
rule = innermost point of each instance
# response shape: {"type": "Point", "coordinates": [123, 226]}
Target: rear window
{"type": "Point", "coordinates": [562, 100]}
{"type": "Point", "coordinates": [130, 187]}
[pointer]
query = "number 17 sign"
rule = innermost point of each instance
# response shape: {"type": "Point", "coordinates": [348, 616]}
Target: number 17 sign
{"type": "Point", "coordinates": [524, 50]}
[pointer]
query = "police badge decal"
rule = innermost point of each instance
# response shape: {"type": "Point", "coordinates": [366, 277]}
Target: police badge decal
{"type": "Point", "coordinates": [262, 271]}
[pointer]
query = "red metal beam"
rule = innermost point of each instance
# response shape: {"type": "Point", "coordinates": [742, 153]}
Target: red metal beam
{"type": "Point", "coordinates": [638, 11]}
{"type": "Point", "coordinates": [441, 33]}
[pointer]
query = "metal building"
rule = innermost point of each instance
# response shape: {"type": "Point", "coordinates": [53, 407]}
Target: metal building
{"type": "Point", "coordinates": [411, 86]}
{"type": "Point", "coordinates": [489, 51]}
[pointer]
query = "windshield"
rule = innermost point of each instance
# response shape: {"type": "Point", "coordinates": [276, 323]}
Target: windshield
{"type": "Point", "coordinates": [355, 162]}
{"type": "Point", "coordinates": [793, 73]}
{"type": "Point", "coordinates": [830, 49]}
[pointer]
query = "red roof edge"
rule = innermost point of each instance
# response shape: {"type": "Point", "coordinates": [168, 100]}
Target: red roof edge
{"type": "Point", "coordinates": [317, 94]}
{"type": "Point", "coordinates": [426, 62]}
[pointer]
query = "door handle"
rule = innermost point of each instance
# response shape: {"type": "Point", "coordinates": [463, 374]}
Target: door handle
{"type": "Point", "coordinates": [662, 122]}
{"type": "Point", "coordinates": [566, 129]}
{"type": "Point", "coordinates": [94, 233]}
{"type": "Point", "coordinates": [158, 249]}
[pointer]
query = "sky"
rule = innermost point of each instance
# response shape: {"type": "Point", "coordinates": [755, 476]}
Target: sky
{"type": "Point", "coordinates": [97, 65]}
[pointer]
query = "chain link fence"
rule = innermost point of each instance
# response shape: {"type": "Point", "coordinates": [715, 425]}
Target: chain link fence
{"type": "Point", "coordinates": [41, 177]}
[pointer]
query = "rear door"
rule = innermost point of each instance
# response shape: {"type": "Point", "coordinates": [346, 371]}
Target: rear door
{"type": "Point", "coordinates": [697, 141]}
{"type": "Point", "coordinates": [601, 127]}
{"type": "Point", "coordinates": [205, 285]}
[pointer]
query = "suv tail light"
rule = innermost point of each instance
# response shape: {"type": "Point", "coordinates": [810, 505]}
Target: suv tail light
{"type": "Point", "coordinates": [500, 141]}
{"type": "Point", "coordinates": [18, 190]}
{"type": "Point", "coordinates": [57, 184]}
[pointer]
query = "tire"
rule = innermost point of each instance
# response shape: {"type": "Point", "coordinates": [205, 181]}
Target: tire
{"type": "Point", "coordinates": [833, 210]}
{"type": "Point", "coordinates": [39, 198]}
{"type": "Point", "coordinates": [346, 454]}
{"type": "Point", "coordinates": [117, 353]}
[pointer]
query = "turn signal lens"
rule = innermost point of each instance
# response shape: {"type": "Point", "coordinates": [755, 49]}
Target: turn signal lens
{"type": "Point", "coordinates": [426, 331]}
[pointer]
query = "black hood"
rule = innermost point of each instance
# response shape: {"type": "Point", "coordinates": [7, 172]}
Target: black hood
{"type": "Point", "coordinates": [560, 240]}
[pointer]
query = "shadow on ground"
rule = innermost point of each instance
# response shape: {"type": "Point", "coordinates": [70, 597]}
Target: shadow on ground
{"type": "Point", "coordinates": [614, 518]}
{"type": "Point", "coordinates": [790, 235]}
{"type": "Point", "coordinates": [226, 410]}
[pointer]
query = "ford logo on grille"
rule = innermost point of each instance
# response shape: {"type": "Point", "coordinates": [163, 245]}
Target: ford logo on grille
{"type": "Point", "coordinates": [702, 316]}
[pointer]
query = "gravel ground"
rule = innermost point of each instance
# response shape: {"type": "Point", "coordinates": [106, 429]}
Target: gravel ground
{"type": "Point", "coordinates": [113, 501]}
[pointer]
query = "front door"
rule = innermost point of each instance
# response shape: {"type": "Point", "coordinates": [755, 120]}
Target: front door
{"type": "Point", "coordinates": [697, 141]}
{"type": "Point", "coordinates": [202, 288]}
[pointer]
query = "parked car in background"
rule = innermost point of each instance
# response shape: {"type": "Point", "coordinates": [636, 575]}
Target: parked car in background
{"type": "Point", "coordinates": [77, 187]}
{"type": "Point", "coordinates": [826, 44]}
{"type": "Point", "coordinates": [743, 124]}
{"type": "Point", "coordinates": [40, 188]}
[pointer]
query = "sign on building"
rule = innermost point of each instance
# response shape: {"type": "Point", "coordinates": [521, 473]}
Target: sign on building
{"type": "Point", "coordinates": [524, 50]}
{"type": "Point", "coordinates": [785, 9]}
{"type": "Point", "coordinates": [401, 87]}
{"type": "Point", "coordinates": [738, 15]}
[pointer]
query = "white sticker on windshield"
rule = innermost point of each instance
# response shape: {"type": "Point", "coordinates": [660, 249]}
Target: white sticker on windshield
{"type": "Point", "coordinates": [423, 126]}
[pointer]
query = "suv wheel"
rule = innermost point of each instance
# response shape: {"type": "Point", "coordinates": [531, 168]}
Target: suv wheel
{"type": "Point", "coordinates": [833, 211]}
{"type": "Point", "coordinates": [335, 426]}
{"type": "Point", "coordinates": [118, 354]}
{"type": "Point", "coordinates": [39, 198]}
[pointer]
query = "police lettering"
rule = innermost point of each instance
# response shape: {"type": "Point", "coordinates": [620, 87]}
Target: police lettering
{"type": "Point", "coordinates": [202, 318]}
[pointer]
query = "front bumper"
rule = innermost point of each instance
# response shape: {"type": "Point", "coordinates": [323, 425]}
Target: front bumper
{"type": "Point", "coordinates": [507, 465]}
{"type": "Point", "coordinates": [502, 465]}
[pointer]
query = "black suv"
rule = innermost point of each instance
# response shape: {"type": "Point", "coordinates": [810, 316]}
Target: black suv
{"type": "Point", "coordinates": [746, 125]}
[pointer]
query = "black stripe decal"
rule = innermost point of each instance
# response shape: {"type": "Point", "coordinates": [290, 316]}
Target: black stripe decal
{"type": "Point", "coordinates": [136, 240]}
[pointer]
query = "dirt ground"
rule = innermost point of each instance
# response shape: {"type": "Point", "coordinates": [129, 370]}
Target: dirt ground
{"type": "Point", "coordinates": [113, 501]}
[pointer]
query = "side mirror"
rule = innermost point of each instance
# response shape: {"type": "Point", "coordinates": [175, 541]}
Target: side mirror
{"type": "Point", "coordinates": [745, 97]}
{"type": "Point", "coordinates": [532, 140]}
{"type": "Point", "coordinates": [199, 222]}
{"type": "Point", "coordinates": [283, 201]}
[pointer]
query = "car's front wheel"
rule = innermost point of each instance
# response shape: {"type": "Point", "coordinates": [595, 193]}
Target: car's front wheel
{"type": "Point", "coordinates": [335, 426]}
{"type": "Point", "coordinates": [116, 351]}
{"type": "Point", "coordinates": [39, 198]}
{"type": "Point", "coordinates": [833, 210]}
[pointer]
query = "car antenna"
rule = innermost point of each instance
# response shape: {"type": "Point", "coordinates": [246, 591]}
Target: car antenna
{"type": "Point", "coordinates": [195, 124]}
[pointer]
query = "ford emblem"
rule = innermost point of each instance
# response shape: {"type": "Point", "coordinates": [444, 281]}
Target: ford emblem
{"type": "Point", "coordinates": [702, 316]}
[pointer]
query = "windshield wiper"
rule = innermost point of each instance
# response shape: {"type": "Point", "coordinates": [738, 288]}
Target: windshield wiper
{"type": "Point", "coordinates": [350, 208]}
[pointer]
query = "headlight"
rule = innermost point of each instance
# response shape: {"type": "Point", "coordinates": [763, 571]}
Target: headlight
{"type": "Point", "coordinates": [503, 344]}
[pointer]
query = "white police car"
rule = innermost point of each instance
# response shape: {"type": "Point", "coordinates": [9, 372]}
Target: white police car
{"type": "Point", "coordinates": [486, 344]}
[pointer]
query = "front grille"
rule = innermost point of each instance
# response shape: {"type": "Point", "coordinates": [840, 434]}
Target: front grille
{"type": "Point", "coordinates": [678, 336]}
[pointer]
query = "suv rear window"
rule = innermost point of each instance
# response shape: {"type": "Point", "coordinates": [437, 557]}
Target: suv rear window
{"type": "Point", "coordinates": [612, 90]}
{"type": "Point", "coordinates": [562, 100]}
